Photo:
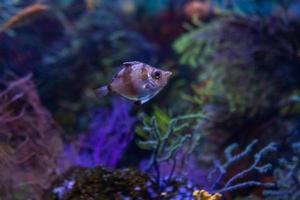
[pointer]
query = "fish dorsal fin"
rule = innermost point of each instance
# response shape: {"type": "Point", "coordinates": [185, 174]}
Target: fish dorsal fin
{"type": "Point", "coordinates": [128, 64]}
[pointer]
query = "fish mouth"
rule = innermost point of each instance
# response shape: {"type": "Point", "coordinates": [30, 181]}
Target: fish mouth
{"type": "Point", "coordinates": [168, 74]}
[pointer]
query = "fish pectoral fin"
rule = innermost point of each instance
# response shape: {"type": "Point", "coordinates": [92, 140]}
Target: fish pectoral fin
{"type": "Point", "coordinates": [149, 86]}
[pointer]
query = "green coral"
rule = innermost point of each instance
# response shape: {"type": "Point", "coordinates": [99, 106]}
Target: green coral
{"type": "Point", "coordinates": [198, 45]}
{"type": "Point", "coordinates": [238, 71]}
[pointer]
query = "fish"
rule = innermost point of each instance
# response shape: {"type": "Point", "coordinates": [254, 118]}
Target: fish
{"type": "Point", "coordinates": [136, 81]}
{"type": "Point", "coordinates": [23, 15]}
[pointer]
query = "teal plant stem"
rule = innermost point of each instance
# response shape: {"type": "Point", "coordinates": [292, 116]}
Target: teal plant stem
{"type": "Point", "coordinates": [164, 144]}
{"type": "Point", "coordinates": [231, 184]}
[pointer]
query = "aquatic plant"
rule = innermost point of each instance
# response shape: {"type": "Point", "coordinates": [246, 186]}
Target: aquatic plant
{"type": "Point", "coordinates": [285, 9]}
{"type": "Point", "coordinates": [221, 170]}
{"type": "Point", "coordinates": [24, 15]}
{"type": "Point", "coordinates": [214, 51]}
{"type": "Point", "coordinates": [287, 181]}
{"type": "Point", "coordinates": [238, 64]}
{"type": "Point", "coordinates": [240, 84]}
{"type": "Point", "coordinates": [286, 175]}
{"type": "Point", "coordinates": [109, 128]}
{"type": "Point", "coordinates": [30, 145]}
{"type": "Point", "coordinates": [165, 145]}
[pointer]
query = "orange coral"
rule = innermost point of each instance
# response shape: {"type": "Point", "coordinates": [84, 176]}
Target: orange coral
{"type": "Point", "coordinates": [24, 15]}
{"type": "Point", "coordinates": [204, 195]}
{"type": "Point", "coordinates": [197, 9]}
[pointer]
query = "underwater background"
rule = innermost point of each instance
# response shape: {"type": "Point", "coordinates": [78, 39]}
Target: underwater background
{"type": "Point", "coordinates": [226, 126]}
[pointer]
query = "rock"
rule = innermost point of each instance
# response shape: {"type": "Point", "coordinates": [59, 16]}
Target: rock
{"type": "Point", "coordinates": [100, 184]}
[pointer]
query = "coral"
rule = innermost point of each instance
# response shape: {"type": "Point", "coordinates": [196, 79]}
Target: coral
{"type": "Point", "coordinates": [236, 67]}
{"type": "Point", "coordinates": [287, 181]}
{"type": "Point", "coordinates": [260, 9]}
{"type": "Point", "coordinates": [241, 85]}
{"type": "Point", "coordinates": [100, 183]}
{"type": "Point", "coordinates": [198, 9]}
{"type": "Point", "coordinates": [187, 167]}
{"type": "Point", "coordinates": [204, 195]}
{"type": "Point", "coordinates": [110, 128]}
{"type": "Point", "coordinates": [30, 145]}
{"type": "Point", "coordinates": [24, 15]}
{"type": "Point", "coordinates": [165, 145]}
{"type": "Point", "coordinates": [287, 178]}
{"type": "Point", "coordinates": [237, 70]}
{"type": "Point", "coordinates": [73, 51]}
{"type": "Point", "coordinates": [232, 183]}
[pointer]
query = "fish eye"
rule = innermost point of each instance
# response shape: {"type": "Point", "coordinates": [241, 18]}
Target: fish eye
{"type": "Point", "coordinates": [157, 75]}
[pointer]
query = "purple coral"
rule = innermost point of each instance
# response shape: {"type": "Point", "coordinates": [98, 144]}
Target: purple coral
{"type": "Point", "coordinates": [109, 134]}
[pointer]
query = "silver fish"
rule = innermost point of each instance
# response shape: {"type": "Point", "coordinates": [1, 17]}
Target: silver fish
{"type": "Point", "coordinates": [136, 81]}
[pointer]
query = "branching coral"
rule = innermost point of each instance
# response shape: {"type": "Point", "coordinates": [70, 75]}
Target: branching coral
{"type": "Point", "coordinates": [165, 145]}
{"type": "Point", "coordinates": [243, 70]}
{"type": "Point", "coordinates": [109, 135]}
{"type": "Point", "coordinates": [287, 178]}
{"type": "Point", "coordinates": [239, 71]}
{"type": "Point", "coordinates": [30, 144]}
{"type": "Point", "coordinates": [233, 184]}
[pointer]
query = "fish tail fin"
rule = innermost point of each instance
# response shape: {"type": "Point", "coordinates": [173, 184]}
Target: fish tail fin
{"type": "Point", "coordinates": [102, 91]}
